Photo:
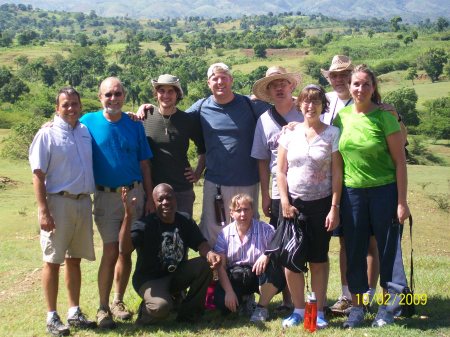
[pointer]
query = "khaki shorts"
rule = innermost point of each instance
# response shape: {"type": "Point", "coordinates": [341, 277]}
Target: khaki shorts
{"type": "Point", "coordinates": [109, 212]}
{"type": "Point", "coordinates": [73, 234]}
{"type": "Point", "coordinates": [208, 225]}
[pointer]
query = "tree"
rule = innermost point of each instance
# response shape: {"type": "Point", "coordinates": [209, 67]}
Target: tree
{"type": "Point", "coordinates": [394, 23]}
{"type": "Point", "coordinates": [260, 50]}
{"type": "Point", "coordinates": [407, 40]}
{"type": "Point", "coordinates": [404, 100]}
{"type": "Point", "coordinates": [435, 119]}
{"type": "Point", "coordinates": [11, 87]}
{"type": "Point", "coordinates": [370, 33]}
{"type": "Point", "coordinates": [441, 24]}
{"type": "Point", "coordinates": [165, 41]}
{"type": "Point", "coordinates": [411, 74]}
{"type": "Point", "coordinates": [433, 62]}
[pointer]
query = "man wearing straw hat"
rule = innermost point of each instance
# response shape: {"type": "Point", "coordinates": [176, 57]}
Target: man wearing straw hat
{"type": "Point", "coordinates": [276, 88]}
{"type": "Point", "coordinates": [168, 131]}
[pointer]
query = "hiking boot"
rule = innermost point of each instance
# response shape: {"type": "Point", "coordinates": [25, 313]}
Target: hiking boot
{"type": "Point", "coordinates": [56, 328]}
{"type": "Point", "coordinates": [120, 311]}
{"type": "Point", "coordinates": [355, 318]}
{"type": "Point", "coordinates": [79, 320]}
{"type": "Point", "coordinates": [247, 306]}
{"type": "Point", "coordinates": [105, 320]}
{"type": "Point", "coordinates": [342, 306]}
{"type": "Point", "coordinates": [293, 320]}
{"type": "Point", "coordinates": [260, 314]}
{"type": "Point", "coordinates": [383, 317]}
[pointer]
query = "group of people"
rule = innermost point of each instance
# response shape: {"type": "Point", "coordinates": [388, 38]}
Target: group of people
{"type": "Point", "coordinates": [335, 159]}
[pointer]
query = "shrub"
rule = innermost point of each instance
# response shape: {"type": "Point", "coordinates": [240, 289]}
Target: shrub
{"type": "Point", "coordinates": [16, 145]}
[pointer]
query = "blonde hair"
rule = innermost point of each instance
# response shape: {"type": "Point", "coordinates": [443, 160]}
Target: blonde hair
{"type": "Point", "coordinates": [234, 204]}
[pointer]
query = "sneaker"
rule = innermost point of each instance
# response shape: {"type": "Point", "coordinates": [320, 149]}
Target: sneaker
{"type": "Point", "coordinates": [248, 305]}
{"type": "Point", "coordinates": [284, 309]}
{"type": "Point", "coordinates": [383, 317]}
{"type": "Point", "coordinates": [79, 320]}
{"type": "Point", "coordinates": [120, 311]}
{"type": "Point", "coordinates": [56, 328]}
{"type": "Point", "coordinates": [342, 306]}
{"type": "Point", "coordinates": [321, 323]}
{"type": "Point", "coordinates": [260, 314]}
{"type": "Point", "coordinates": [105, 320]}
{"type": "Point", "coordinates": [355, 318]}
{"type": "Point", "coordinates": [293, 320]}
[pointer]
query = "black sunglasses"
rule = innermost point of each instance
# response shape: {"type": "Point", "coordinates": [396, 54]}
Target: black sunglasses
{"type": "Point", "coordinates": [110, 94]}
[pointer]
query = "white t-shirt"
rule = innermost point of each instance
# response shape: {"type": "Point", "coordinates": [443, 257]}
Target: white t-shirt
{"type": "Point", "coordinates": [265, 141]}
{"type": "Point", "coordinates": [309, 164]}
{"type": "Point", "coordinates": [336, 104]}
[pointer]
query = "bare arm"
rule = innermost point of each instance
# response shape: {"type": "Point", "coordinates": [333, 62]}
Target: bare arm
{"type": "Point", "coordinates": [148, 185]}
{"type": "Point", "coordinates": [264, 179]}
{"type": "Point", "coordinates": [396, 149]}
{"type": "Point", "coordinates": [391, 109]}
{"type": "Point", "coordinates": [231, 301]}
{"type": "Point", "coordinates": [332, 220]}
{"type": "Point", "coordinates": [194, 175]}
{"type": "Point", "coordinates": [289, 211]}
{"type": "Point", "coordinates": [213, 258]}
{"type": "Point", "coordinates": [125, 243]}
{"type": "Point", "coordinates": [45, 218]}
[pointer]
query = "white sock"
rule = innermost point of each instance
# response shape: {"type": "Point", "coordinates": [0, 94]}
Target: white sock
{"type": "Point", "coordinates": [118, 297]}
{"type": "Point", "coordinates": [72, 311]}
{"type": "Point", "coordinates": [301, 312]}
{"type": "Point", "coordinates": [371, 293]}
{"type": "Point", "coordinates": [50, 315]}
{"type": "Point", "coordinates": [320, 314]}
{"type": "Point", "coordinates": [346, 292]}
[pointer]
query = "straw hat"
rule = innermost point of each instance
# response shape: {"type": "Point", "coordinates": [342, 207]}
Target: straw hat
{"type": "Point", "coordinates": [339, 63]}
{"type": "Point", "coordinates": [260, 88]}
{"type": "Point", "coordinates": [167, 79]}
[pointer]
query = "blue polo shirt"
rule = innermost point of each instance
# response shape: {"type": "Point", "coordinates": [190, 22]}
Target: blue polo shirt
{"type": "Point", "coordinates": [117, 149]}
{"type": "Point", "coordinates": [228, 130]}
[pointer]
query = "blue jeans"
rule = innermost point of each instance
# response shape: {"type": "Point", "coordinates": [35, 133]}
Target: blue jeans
{"type": "Point", "coordinates": [376, 207]}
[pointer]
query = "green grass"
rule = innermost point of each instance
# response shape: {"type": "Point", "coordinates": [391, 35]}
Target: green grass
{"type": "Point", "coordinates": [22, 309]}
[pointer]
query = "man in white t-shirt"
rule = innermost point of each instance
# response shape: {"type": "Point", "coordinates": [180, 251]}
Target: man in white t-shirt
{"type": "Point", "coordinates": [275, 88]}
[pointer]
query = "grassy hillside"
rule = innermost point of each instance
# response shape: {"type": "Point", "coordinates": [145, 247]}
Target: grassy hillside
{"type": "Point", "coordinates": [20, 269]}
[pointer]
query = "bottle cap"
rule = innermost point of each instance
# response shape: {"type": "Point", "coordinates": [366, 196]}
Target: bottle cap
{"type": "Point", "coordinates": [312, 296]}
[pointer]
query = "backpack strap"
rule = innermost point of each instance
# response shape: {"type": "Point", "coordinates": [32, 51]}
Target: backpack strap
{"type": "Point", "coordinates": [277, 117]}
{"type": "Point", "coordinates": [411, 273]}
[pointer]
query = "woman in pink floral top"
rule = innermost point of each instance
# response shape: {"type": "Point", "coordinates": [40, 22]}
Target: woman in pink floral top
{"type": "Point", "coordinates": [309, 178]}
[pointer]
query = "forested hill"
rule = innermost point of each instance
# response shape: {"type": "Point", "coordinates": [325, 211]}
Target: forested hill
{"type": "Point", "coordinates": [410, 10]}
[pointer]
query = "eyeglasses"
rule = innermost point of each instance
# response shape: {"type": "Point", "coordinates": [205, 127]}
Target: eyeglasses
{"type": "Point", "coordinates": [314, 102]}
{"type": "Point", "coordinates": [111, 94]}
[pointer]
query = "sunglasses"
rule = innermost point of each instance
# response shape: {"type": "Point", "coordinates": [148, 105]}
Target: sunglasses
{"type": "Point", "coordinates": [111, 94]}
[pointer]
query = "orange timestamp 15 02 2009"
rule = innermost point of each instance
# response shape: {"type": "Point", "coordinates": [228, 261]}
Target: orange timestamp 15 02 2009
{"type": "Point", "coordinates": [384, 299]}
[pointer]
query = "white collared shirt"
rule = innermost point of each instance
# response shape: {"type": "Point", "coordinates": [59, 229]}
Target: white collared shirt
{"type": "Point", "coordinates": [64, 155]}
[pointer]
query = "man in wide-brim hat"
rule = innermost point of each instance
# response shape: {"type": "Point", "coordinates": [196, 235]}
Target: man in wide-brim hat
{"type": "Point", "coordinates": [276, 87]}
{"type": "Point", "coordinates": [275, 73]}
{"type": "Point", "coordinates": [168, 131]}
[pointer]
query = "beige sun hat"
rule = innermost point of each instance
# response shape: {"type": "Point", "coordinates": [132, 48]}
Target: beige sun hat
{"type": "Point", "coordinates": [260, 88]}
{"type": "Point", "coordinates": [339, 63]}
{"type": "Point", "coordinates": [168, 79]}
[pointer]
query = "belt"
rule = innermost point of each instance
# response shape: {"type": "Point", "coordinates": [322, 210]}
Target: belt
{"type": "Point", "coordinates": [72, 196]}
{"type": "Point", "coordinates": [117, 189]}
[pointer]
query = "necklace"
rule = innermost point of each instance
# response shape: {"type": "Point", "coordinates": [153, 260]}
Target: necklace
{"type": "Point", "coordinates": [166, 120]}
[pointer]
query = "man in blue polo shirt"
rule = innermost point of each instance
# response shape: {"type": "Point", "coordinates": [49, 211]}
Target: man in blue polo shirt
{"type": "Point", "coordinates": [121, 159]}
{"type": "Point", "coordinates": [228, 122]}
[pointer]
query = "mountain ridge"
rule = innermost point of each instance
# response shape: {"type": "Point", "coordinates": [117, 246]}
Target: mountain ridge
{"type": "Point", "coordinates": [409, 10]}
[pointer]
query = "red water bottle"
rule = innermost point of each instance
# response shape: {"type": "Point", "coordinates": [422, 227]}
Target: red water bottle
{"type": "Point", "coordinates": [310, 321]}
